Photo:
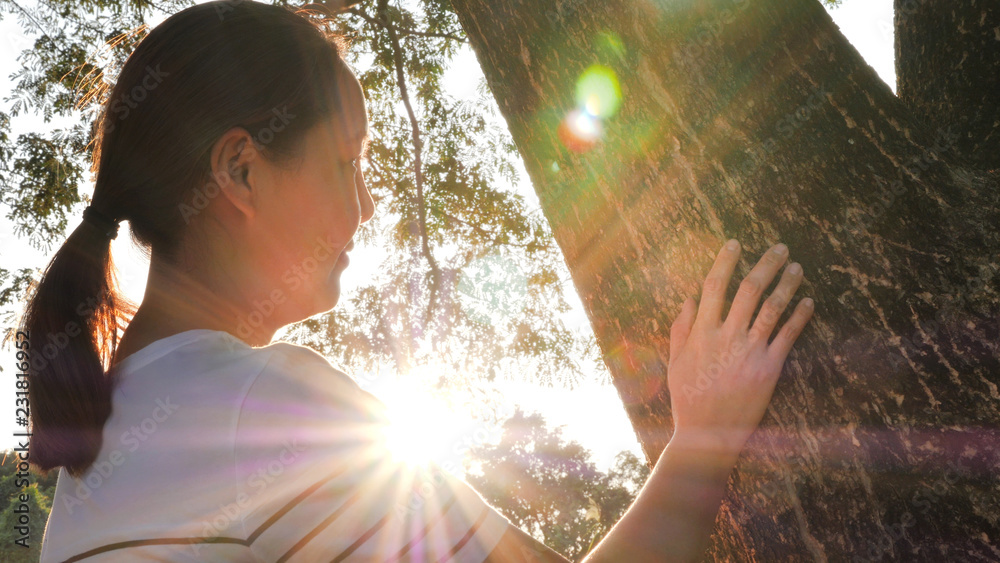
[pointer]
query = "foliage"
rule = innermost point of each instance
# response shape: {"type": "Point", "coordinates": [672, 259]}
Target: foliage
{"type": "Point", "coordinates": [40, 491]}
{"type": "Point", "coordinates": [441, 173]}
{"type": "Point", "coordinates": [550, 488]}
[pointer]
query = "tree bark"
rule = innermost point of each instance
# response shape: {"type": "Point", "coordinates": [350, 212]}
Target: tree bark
{"type": "Point", "coordinates": [948, 70]}
{"type": "Point", "coordinates": [758, 120]}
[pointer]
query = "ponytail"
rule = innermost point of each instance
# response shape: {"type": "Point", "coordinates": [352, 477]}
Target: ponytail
{"type": "Point", "coordinates": [72, 319]}
{"type": "Point", "coordinates": [199, 73]}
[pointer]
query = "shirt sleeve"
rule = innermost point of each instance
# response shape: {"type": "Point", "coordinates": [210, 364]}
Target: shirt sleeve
{"type": "Point", "coordinates": [316, 481]}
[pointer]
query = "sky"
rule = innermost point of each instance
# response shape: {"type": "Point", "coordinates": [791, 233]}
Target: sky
{"type": "Point", "coordinates": [866, 23]}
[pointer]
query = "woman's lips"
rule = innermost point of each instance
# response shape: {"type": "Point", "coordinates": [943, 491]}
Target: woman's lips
{"type": "Point", "coordinates": [343, 259]}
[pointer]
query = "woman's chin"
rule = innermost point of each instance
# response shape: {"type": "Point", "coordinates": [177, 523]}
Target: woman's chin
{"type": "Point", "coordinates": [325, 298]}
{"type": "Point", "coordinates": [331, 296]}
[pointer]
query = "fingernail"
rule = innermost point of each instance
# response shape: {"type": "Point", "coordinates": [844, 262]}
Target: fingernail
{"type": "Point", "coordinates": [795, 269]}
{"type": "Point", "coordinates": [780, 249]}
{"type": "Point", "coordinates": [733, 244]}
{"type": "Point", "coordinates": [808, 303]}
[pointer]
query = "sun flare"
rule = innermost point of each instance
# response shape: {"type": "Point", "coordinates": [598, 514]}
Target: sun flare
{"type": "Point", "coordinates": [421, 425]}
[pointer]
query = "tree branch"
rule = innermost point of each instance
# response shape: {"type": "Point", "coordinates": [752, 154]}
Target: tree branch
{"type": "Point", "coordinates": [483, 232]}
{"type": "Point", "coordinates": [477, 228]}
{"type": "Point", "coordinates": [425, 249]}
{"type": "Point", "coordinates": [386, 25]}
{"type": "Point", "coordinates": [31, 18]}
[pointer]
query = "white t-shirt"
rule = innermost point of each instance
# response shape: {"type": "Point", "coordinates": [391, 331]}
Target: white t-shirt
{"type": "Point", "coordinates": [219, 451]}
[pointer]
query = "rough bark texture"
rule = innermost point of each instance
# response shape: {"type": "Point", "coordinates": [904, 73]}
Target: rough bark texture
{"type": "Point", "coordinates": [758, 120]}
{"type": "Point", "coordinates": [948, 70]}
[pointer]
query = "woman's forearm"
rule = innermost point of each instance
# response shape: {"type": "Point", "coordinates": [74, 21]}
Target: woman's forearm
{"type": "Point", "coordinates": [672, 518]}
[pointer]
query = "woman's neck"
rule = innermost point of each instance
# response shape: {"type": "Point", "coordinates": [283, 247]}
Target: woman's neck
{"type": "Point", "coordinates": [177, 301]}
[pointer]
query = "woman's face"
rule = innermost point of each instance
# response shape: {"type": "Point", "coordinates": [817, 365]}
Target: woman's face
{"type": "Point", "coordinates": [309, 210]}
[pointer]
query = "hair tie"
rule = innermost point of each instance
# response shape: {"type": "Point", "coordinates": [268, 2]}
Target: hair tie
{"type": "Point", "coordinates": [108, 226]}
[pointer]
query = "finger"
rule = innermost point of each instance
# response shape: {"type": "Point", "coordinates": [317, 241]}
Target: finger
{"type": "Point", "coordinates": [713, 292]}
{"type": "Point", "coordinates": [753, 286]}
{"type": "Point", "coordinates": [775, 305]}
{"type": "Point", "coordinates": [681, 329]}
{"type": "Point", "coordinates": [782, 344]}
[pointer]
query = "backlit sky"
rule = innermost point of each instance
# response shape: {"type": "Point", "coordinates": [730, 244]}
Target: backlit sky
{"type": "Point", "coordinates": [866, 23]}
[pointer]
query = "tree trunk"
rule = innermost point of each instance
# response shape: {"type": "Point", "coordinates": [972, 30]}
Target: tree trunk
{"type": "Point", "coordinates": [947, 58]}
{"type": "Point", "coordinates": [758, 120]}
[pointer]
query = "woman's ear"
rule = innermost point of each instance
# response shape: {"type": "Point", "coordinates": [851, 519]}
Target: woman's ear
{"type": "Point", "coordinates": [232, 159]}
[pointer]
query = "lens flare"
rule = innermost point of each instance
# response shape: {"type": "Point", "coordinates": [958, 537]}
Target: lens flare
{"type": "Point", "coordinates": [580, 131]}
{"type": "Point", "coordinates": [421, 423]}
{"type": "Point", "coordinates": [598, 97]}
{"type": "Point", "coordinates": [598, 91]}
{"type": "Point", "coordinates": [611, 44]}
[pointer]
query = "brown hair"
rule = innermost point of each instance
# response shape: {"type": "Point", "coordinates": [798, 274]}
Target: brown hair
{"type": "Point", "coordinates": [201, 72]}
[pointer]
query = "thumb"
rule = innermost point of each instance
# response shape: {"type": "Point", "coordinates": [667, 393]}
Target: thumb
{"type": "Point", "coordinates": [681, 328]}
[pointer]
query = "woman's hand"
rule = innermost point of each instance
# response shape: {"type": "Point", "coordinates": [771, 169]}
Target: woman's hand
{"type": "Point", "coordinates": [722, 373]}
{"type": "Point", "coordinates": [721, 377]}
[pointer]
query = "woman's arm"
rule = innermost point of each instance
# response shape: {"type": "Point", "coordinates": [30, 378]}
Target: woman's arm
{"type": "Point", "coordinates": [721, 377]}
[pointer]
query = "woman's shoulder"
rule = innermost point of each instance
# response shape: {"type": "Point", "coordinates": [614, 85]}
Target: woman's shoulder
{"type": "Point", "coordinates": [315, 476]}
{"type": "Point", "coordinates": [294, 360]}
{"type": "Point", "coordinates": [301, 418]}
{"type": "Point", "coordinates": [299, 387]}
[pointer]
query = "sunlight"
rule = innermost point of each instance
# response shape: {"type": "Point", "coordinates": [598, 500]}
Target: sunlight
{"type": "Point", "coordinates": [579, 131]}
{"type": "Point", "coordinates": [585, 126]}
{"type": "Point", "coordinates": [598, 96]}
{"type": "Point", "coordinates": [598, 91]}
{"type": "Point", "coordinates": [421, 423]}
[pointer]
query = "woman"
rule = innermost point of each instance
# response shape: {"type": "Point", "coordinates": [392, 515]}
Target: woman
{"type": "Point", "coordinates": [230, 143]}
